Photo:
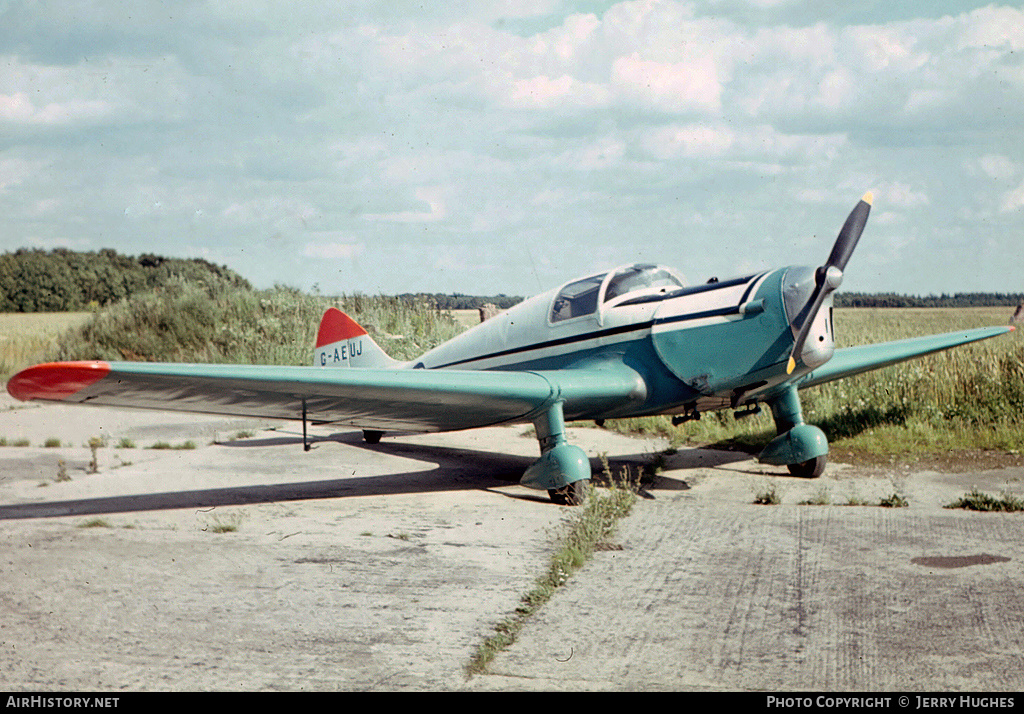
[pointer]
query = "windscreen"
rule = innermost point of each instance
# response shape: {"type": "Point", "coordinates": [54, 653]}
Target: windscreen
{"type": "Point", "coordinates": [638, 278]}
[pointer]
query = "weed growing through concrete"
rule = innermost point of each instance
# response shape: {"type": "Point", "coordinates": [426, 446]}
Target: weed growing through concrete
{"type": "Point", "coordinates": [768, 495]}
{"type": "Point", "coordinates": [586, 532]}
{"type": "Point", "coordinates": [820, 498]}
{"type": "Point", "coordinates": [894, 500]}
{"type": "Point", "coordinates": [95, 443]}
{"type": "Point", "coordinates": [164, 446]}
{"type": "Point", "coordinates": [854, 499]}
{"type": "Point", "coordinates": [224, 523]}
{"type": "Point", "coordinates": [975, 500]}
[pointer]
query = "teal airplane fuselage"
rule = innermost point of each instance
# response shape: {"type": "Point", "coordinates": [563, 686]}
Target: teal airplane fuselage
{"type": "Point", "coordinates": [718, 344]}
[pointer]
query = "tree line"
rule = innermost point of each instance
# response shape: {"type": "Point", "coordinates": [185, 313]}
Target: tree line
{"type": "Point", "coordinates": [944, 300]}
{"type": "Point", "coordinates": [458, 301]}
{"type": "Point", "coordinates": [61, 280]}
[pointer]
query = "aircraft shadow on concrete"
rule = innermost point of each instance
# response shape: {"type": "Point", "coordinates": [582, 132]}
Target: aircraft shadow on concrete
{"type": "Point", "coordinates": [491, 462]}
{"type": "Point", "coordinates": [451, 469]}
{"type": "Point", "coordinates": [705, 458]}
{"type": "Point", "coordinates": [455, 470]}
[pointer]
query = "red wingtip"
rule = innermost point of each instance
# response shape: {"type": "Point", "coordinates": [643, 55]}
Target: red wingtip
{"type": "Point", "coordinates": [55, 380]}
{"type": "Point", "coordinates": [336, 326]}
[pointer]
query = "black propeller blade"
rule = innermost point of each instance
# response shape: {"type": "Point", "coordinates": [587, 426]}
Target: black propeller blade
{"type": "Point", "coordinates": [830, 275]}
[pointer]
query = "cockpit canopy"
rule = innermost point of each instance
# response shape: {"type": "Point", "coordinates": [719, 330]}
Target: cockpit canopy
{"type": "Point", "coordinates": [582, 297]}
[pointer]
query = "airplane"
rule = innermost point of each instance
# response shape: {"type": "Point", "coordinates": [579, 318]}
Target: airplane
{"type": "Point", "coordinates": [631, 341]}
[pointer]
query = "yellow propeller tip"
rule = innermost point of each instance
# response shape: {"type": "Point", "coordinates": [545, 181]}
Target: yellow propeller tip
{"type": "Point", "coordinates": [868, 198]}
{"type": "Point", "coordinates": [790, 366]}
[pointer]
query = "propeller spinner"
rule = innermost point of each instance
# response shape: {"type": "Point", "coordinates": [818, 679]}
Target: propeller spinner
{"type": "Point", "coordinates": [829, 276]}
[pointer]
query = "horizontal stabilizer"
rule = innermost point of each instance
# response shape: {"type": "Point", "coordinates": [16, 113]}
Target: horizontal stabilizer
{"type": "Point", "coordinates": [849, 361]}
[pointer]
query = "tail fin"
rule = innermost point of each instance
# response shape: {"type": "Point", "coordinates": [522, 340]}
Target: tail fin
{"type": "Point", "coordinates": [342, 342]}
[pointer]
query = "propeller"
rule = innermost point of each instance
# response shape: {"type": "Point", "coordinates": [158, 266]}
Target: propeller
{"type": "Point", "coordinates": [829, 276]}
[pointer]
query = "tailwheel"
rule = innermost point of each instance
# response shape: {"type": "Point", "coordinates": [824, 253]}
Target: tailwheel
{"type": "Point", "coordinates": [573, 494]}
{"type": "Point", "coordinates": [812, 468]}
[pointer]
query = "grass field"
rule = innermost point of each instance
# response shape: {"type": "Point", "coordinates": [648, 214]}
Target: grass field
{"type": "Point", "coordinates": [27, 338]}
{"type": "Point", "coordinates": [970, 398]}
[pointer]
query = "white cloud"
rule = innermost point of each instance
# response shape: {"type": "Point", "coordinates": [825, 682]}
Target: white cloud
{"type": "Point", "coordinates": [576, 32]}
{"type": "Point", "coordinates": [836, 89]}
{"type": "Point", "coordinates": [669, 86]}
{"type": "Point", "coordinates": [886, 218]}
{"type": "Point", "coordinates": [602, 154]}
{"type": "Point", "coordinates": [813, 195]}
{"type": "Point", "coordinates": [901, 195]}
{"type": "Point", "coordinates": [595, 154]}
{"type": "Point", "coordinates": [433, 196]}
{"type": "Point", "coordinates": [887, 48]}
{"type": "Point", "coordinates": [715, 140]}
{"type": "Point", "coordinates": [997, 166]}
{"type": "Point", "coordinates": [542, 92]}
{"type": "Point", "coordinates": [691, 141]}
{"type": "Point", "coordinates": [273, 210]}
{"type": "Point", "coordinates": [18, 108]}
{"type": "Point", "coordinates": [988, 28]}
{"type": "Point", "coordinates": [1012, 200]}
{"type": "Point", "coordinates": [326, 247]}
{"type": "Point", "coordinates": [14, 171]}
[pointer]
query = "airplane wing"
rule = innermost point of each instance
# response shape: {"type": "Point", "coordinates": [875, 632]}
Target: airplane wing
{"type": "Point", "coordinates": [854, 360]}
{"type": "Point", "coordinates": [384, 399]}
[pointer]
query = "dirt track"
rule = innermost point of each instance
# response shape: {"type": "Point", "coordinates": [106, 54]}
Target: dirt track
{"type": "Point", "coordinates": [382, 568]}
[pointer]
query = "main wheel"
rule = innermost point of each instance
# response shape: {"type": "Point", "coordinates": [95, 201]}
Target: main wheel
{"type": "Point", "coordinates": [812, 468]}
{"type": "Point", "coordinates": [572, 495]}
{"type": "Point", "coordinates": [372, 437]}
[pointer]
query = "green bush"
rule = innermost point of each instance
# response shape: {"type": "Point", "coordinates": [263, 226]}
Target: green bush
{"type": "Point", "coordinates": [64, 280]}
{"type": "Point", "coordinates": [186, 322]}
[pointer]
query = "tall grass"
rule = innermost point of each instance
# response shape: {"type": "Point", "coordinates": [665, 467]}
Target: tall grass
{"type": "Point", "coordinates": [967, 397]}
{"type": "Point", "coordinates": [30, 337]}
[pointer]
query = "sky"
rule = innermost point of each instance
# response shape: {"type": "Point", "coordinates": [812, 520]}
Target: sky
{"type": "Point", "coordinates": [507, 146]}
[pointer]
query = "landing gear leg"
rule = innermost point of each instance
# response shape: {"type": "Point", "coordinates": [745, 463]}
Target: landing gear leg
{"type": "Point", "coordinates": [563, 469]}
{"type": "Point", "coordinates": [801, 447]}
{"type": "Point", "coordinates": [305, 443]}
